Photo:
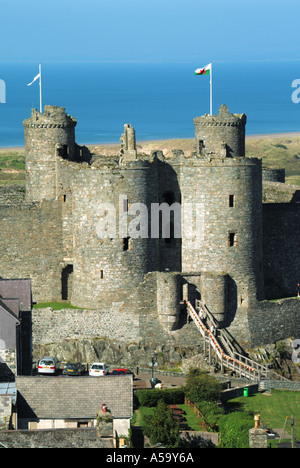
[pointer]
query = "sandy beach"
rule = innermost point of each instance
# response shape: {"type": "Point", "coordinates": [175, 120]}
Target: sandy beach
{"type": "Point", "coordinates": [153, 142]}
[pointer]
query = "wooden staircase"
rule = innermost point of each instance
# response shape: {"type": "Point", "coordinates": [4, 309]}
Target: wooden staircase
{"type": "Point", "coordinates": [229, 354]}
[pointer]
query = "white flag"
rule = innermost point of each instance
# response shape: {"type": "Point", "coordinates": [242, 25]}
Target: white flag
{"type": "Point", "coordinates": [35, 78]}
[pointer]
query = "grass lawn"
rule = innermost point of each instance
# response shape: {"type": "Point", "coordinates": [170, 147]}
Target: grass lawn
{"type": "Point", "coordinates": [273, 408]}
{"type": "Point", "coordinates": [192, 420]}
{"type": "Point", "coordinates": [12, 167]}
{"type": "Point", "coordinates": [55, 305]}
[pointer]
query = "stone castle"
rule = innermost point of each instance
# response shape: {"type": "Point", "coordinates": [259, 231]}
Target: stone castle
{"type": "Point", "coordinates": [130, 288]}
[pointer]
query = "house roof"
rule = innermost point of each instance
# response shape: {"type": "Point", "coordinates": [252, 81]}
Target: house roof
{"type": "Point", "coordinates": [6, 310]}
{"type": "Point", "coordinates": [65, 397]}
{"type": "Point", "coordinates": [17, 289]}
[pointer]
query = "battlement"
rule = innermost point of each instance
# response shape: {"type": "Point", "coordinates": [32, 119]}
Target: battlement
{"type": "Point", "coordinates": [223, 119]}
{"type": "Point", "coordinates": [52, 117]}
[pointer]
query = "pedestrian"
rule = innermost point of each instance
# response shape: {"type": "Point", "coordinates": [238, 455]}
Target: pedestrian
{"type": "Point", "coordinates": [298, 289]}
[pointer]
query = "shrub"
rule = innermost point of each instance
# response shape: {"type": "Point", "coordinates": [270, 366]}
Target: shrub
{"type": "Point", "coordinates": [151, 397]}
{"type": "Point", "coordinates": [212, 413]}
{"type": "Point", "coordinates": [202, 386]}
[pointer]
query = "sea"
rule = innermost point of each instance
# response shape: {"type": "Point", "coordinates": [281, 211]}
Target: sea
{"type": "Point", "coordinates": [159, 99]}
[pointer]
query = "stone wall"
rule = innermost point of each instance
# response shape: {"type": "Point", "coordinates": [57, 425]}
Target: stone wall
{"type": "Point", "coordinates": [5, 410]}
{"type": "Point", "coordinates": [281, 223]}
{"type": "Point", "coordinates": [58, 438]}
{"type": "Point", "coordinates": [274, 321]}
{"type": "Point", "coordinates": [30, 240]}
{"type": "Point", "coordinates": [114, 323]}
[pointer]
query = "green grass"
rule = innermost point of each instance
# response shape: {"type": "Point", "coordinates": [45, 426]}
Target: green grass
{"type": "Point", "coordinates": [55, 305]}
{"type": "Point", "coordinates": [139, 414]}
{"type": "Point", "coordinates": [278, 152]}
{"type": "Point", "coordinates": [192, 420]}
{"type": "Point", "coordinates": [272, 408]}
{"type": "Point", "coordinates": [12, 167]}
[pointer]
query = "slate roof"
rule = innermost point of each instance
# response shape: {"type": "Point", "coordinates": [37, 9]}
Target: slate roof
{"type": "Point", "coordinates": [17, 289]}
{"type": "Point", "coordinates": [50, 397]}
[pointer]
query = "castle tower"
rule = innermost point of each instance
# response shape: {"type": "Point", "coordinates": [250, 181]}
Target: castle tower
{"type": "Point", "coordinates": [221, 134]}
{"type": "Point", "coordinates": [47, 136]}
{"type": "Point", "coordinates": [227, 189]}
{"type": "Point", "coordinates": [112, 248]}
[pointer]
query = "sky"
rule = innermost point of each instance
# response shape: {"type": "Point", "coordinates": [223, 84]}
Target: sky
{"type": "Point", "coordinates": [173, 31]}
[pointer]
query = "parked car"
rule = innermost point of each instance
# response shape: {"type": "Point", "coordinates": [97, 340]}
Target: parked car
{"type": "Point", "coordinates": [74, 368]}
{"type": "Point", "coordinates": [47, 365]}
{"type": "Point", "coordinates": [121, 371]}
{"type": "Point", "coordinates": [115, 372]}
{"type": "Point", "coordinates": [98, 369]}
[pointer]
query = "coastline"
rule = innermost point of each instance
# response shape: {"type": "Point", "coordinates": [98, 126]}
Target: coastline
{"type": "Point", "coordinates": [146, 142]}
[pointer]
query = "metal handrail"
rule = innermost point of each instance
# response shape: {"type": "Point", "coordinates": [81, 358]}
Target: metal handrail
{"type": "Point", "coordinates": [236, 361]}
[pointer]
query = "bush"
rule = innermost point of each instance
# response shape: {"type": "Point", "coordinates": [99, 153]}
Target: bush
{"type": "Point", "coordinates": [151, 397]}
{"type": "Point", "coordinates": [234, 430]}
{"type": "Point", "coordinates": [212, 413]}
{"type": "Point", "coordinates": [202, 386]}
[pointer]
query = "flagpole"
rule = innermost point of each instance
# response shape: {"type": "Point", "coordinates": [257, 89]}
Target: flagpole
{"type": "Point", "coordinates": [211, 89]}
{"type": "Point", "coordinates": [41, 104]}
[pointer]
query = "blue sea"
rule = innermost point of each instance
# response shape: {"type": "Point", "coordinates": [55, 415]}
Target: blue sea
{"type": "Point", "coordinates": [159, 100]}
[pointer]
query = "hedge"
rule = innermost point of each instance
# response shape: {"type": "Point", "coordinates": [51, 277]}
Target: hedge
{"type": "Point", "coordinates": [151, 397]}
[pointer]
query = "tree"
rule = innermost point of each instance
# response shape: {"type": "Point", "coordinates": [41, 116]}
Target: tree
{"type": "Point", "coordinates": [202, 386]}
{"type": "Point", "coordinates": [160, 427]}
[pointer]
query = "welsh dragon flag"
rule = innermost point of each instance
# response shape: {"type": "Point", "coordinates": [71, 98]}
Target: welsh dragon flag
{"type": "Point", "coordinates": [204, 71]}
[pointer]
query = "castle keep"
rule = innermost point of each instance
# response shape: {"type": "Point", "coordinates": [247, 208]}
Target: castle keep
{"type": "Point", "coordinates": [234, 252]}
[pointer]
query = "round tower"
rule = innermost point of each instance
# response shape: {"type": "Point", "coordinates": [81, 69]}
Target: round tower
{"type": "Point", "coordinates": [223, 133]}
{"type": "Point", "coordinates": [226, 188]}
{"type": "Point", "coordinates": [112, 250]}
{"type": "Point", "coordinates": [47, 136]}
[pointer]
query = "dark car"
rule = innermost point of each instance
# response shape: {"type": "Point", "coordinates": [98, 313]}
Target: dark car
{"type": "Point", "coordinates": [115, 372]}
{"type": "Point", "coordinates": [122, 372]}
{"type": "Point", "coordinates": [74, 368]}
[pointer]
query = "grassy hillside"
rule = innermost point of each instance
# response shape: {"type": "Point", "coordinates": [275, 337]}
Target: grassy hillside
{"type": "Point", "coordinates": [12, 167]}
{"type": "Point", "coordinates": [280, 151]}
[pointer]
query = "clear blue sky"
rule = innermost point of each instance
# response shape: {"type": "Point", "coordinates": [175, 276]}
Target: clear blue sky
{"type": "Point", "coordinates": [197, 31]}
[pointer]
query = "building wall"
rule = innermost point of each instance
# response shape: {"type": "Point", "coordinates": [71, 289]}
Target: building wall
{"type": "Point", "coordinates": [281, 224]}
{"type": "Point", "coordinates": [108, 264]}
{"type": "Point", "coordinates": [31, 246]}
